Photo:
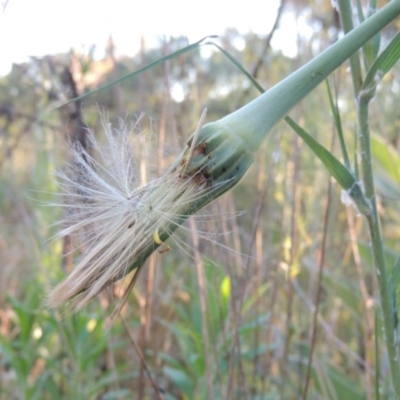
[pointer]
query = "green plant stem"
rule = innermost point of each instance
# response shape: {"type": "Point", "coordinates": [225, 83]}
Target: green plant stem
{"type": "Point", "coordinates": [377, 245]}
{"type": "Point", "coordinates": [346, 17]}
{"type": "Point", "coordinates": [373, 217]}
{"type": "Point", "coordinates": [253, 121]}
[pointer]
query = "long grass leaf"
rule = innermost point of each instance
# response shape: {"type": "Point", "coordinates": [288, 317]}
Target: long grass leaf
{"type": "Point", "coordinates": [338, 123]}
{"type": "Point", "coordinates": [162, 60]}
{"type": "Point", "coordinates": [386, 60]}
{"type": "Point", "coordinates": [343, 175]}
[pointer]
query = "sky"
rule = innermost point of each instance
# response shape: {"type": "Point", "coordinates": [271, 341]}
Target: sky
{"type": "Point", "coordinates": [40, 27]}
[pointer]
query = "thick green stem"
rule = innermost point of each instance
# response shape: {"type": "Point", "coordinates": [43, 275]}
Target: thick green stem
{"type": "Point", "coordinates": [373, 217]}
{"type": "Point", "coordinates": [377, 246]}
{"type": "Point", "coordinates": [253, 121]}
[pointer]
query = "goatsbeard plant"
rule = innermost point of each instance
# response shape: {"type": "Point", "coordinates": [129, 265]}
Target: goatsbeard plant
{"type": "Point", "coordinates": [126, 223]}
{"type": "Point", "coordinates": [217, 156]}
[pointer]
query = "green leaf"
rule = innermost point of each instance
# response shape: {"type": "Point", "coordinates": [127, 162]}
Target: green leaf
{"type": "Point", "coordinates": [180, 378]}
{"type": "Point", "coordinates": [344, 176]}
{"type": "Point", "coordinates": [386, 60]}
{"type": "Point", "coordinates": [336, 116]}
{"type": "Point", "coordinates": [333, 384]}
{"type": "Point", "coordinates": [387, 162]}
{"type": "Point", "coordinates": [26, 318]}
{"type": "Point", "coordinates": [387, 157]}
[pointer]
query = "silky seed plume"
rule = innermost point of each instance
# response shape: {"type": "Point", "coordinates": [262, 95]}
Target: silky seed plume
{"type": "Point", "coordinates": [116, 220]}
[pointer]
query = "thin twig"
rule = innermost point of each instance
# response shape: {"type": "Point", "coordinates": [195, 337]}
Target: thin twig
{"type": "Point", "coordinates": [256, 237]}
{"type": "Point", "coordinates": [314, 331]}
{"type": "Point", "coordinates": [260, 62]}
{"type": "Point", "coordinates": [203, 305]}
{"type": "Point", "coordinates": [139, 353]}
{"type": "Point", "coordinates": [146, 306]}
{"type": "Point", "coordinates": [368, 324]}
{"type": "Point", "coordinates": [350, 354]}
{"type": "Point", "coordinates": [261, 59]}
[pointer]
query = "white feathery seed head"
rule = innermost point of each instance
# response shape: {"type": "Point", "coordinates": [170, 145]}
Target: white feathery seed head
{"type": "Point", "coordinates": [118, 220]}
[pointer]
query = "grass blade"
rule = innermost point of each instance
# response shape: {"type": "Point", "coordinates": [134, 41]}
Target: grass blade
{"type": "Point", "coordinates": [147, 67]}
{"type": "Point", "coordinates": [386, 60]}
{"type": "Point", "coordinates": [343, 175]}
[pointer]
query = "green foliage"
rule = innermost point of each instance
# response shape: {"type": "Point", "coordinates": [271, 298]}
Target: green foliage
{"type": "Point", "coordinates": [332, 384]}
{"type": "Point", "coordinates": [381, 66]}
{"type": "Point", "coordinates": [52, 359]}
{"type": "Point", "coordinates": [260, 352]}
{"type": "Point", "coordinates": [189, 371]}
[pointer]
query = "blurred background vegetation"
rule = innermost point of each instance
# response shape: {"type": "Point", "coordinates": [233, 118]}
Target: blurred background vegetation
{"type": "Point", "coordinates": [237, 323]}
